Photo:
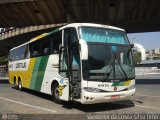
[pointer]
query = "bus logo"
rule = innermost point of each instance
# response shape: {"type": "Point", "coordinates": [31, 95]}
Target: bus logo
{"type": "Point", "coordinates": [115, 88]}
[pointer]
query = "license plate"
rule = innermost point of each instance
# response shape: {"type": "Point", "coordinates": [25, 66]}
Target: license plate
{"type": "Point", "coordinates": [115, 97]}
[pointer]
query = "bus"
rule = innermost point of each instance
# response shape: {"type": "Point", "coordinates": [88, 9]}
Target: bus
{"type": "Point", "coordinates": [81, 62]}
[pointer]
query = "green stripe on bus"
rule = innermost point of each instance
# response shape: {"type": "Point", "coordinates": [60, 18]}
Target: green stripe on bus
{"type": "Point", "coordinates": [41, 71]}
{"type": "Point", "coordinates": [35, 73]}
{"type": "Point", "coordinates": [115, 83]}
{"type": "Point", "coordinates": [121, 84]}
{"type": "Point", "coordinates": [54, 31]}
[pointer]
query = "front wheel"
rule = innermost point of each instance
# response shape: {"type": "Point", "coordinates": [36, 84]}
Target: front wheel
{"type": "Point", "coordinates": [55, 93]}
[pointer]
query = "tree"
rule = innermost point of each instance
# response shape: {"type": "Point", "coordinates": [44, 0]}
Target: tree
{"type": "Point", "coordinates": [137, 57]}
{"type": "Point", "coordinates": [3, 60]}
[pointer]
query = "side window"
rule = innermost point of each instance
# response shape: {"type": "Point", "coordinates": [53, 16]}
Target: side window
{"type": "Point", "coordinates": [70, 36]}
{"type": "Point", "coordinates": [70, 59]}
{"type": "Point", "coordinates": [56, 39]}
{"type": "Point", "coordinates": [26, 52]}
{"type": "Point", "coordinates": [34, 49]}
{"type": "Point", "coordinates": [19, 53]}
{"type": "Point", "coordinates": [40, 47]}
{"type": "Point", "coordinates": [22, 52]}
{"type": "Point", "coordinates": [46, 46]}
{"type": "Point", "coordinates": [73, 53]}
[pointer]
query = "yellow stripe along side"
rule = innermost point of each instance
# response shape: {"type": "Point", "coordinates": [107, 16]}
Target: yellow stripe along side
{"type": "Point", "coordinates": [28, 74]}
{"type": "Point", "coordinates": [25, 75]}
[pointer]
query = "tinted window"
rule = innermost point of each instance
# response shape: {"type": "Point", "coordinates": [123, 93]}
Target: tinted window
{"type": "Point", "coordinates": [47, 45]}
{"type": "Point", "coordinates": [19, 53]}
{"type": "Point", "coordinates": [40, 47]}
{"type": "Point", "coordinates": [56, 40]}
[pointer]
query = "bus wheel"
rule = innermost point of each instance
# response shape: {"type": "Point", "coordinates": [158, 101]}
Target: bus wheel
{"type": "Point", "coordinates": [15, 85]}
{"type": "Point", "coordinates": [55, 93]}
{"type": "Point", "coordinates": [20, 85]}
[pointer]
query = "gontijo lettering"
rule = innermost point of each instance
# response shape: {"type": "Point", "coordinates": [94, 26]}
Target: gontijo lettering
{"type": "Point", "coordinates": [21, 65]}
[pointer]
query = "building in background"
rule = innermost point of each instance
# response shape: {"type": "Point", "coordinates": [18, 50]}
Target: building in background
{"type": "Point", "coordinates": [153, 54]}
{"type": "Point", "coordinates": [3, 71]}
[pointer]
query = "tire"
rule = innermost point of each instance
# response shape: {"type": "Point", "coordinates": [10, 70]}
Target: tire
{"type": "Point", "coordinates": [15, 85]}
{"type": "Point", "coordinates": [20, 85]}
{"type": "Point", "coordinates": [55, 93]}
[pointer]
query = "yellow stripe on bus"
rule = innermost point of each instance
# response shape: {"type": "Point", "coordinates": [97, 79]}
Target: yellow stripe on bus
{"type": "Point", "coordinates": [127, 83]}
{"type": "Point", "coordinates": [39, 37]}
{"type": "Point", "coordinates": [24, 75]}
{"type": "Point", "coordinates": [28, 75]}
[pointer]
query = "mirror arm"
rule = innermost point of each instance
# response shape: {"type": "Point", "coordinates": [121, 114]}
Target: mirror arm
{"type": "Point", "coordinates": [131, 45]}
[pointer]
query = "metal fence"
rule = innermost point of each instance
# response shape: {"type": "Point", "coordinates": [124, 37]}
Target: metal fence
{"type": "Point", "coordinates": [3, 72]}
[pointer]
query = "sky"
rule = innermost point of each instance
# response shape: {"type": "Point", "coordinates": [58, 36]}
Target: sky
{"type": "Point", "coordinates": [149, 40]}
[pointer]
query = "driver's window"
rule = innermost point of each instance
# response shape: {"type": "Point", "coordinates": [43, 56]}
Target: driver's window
{"type": "Point", "coordinates": [73, 49]}
{"type": "Point", "coordinates": [74, 46]}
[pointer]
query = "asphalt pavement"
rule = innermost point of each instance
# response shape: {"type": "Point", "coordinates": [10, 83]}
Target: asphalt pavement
{"type": "Point", "coordinates": [146, 101]}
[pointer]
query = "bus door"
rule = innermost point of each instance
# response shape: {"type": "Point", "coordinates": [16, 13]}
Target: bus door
{"type": "Point", "coordinates": [75, 81]}
{"type": "Point", "coordinates": [71, 61]}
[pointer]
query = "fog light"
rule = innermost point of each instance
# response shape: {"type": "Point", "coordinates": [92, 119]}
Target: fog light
{"type": "Point", "coordinates": [131, 87]}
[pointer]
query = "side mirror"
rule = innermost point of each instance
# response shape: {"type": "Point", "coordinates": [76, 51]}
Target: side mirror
{"type": "Point", "coordinates": [84, 50]}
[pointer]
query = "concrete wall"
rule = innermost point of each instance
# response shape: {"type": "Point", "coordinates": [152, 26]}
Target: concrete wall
{"type": "Point", "coordinates": [147, 73]}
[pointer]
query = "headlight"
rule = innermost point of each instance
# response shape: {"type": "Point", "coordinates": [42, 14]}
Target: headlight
{"type": "Point", "coordinates": [131, 87]}
{"type": "Point", "coordinates": [90, 89]}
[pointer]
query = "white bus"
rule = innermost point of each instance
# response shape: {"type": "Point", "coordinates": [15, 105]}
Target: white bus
{"type": "Point", "coordinates": [83, 62]}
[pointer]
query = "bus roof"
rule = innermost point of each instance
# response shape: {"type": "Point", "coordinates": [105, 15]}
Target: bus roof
{"type": "Point", "coordinates": [75, 25]}
{"type": "Point", "coordinates": [32, 40]}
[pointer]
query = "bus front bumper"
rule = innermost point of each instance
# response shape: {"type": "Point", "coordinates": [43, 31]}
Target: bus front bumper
{"type": "Point", "coordinates": [91, 98]}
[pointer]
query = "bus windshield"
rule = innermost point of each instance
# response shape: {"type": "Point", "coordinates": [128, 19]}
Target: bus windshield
{"type": "Point", "coordinates": [103, 35]}
{"type": "Point", "coordinates": [107, 62]}
{"type": "Point", "coordinates": [109, 55]}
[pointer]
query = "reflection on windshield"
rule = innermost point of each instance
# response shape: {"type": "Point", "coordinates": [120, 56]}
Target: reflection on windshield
{"type": "Point", "coordinates": [103, 35]}
{"type": "Point", "coordinates": [108, 62]}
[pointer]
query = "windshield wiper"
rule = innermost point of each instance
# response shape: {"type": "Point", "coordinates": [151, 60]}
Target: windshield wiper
{"type": "Point", "coordinates": [107, 74]}
{"type": "Point", "coordinates": [115, 58]}
{"type": "Point", "coordinates": [123, 71]}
